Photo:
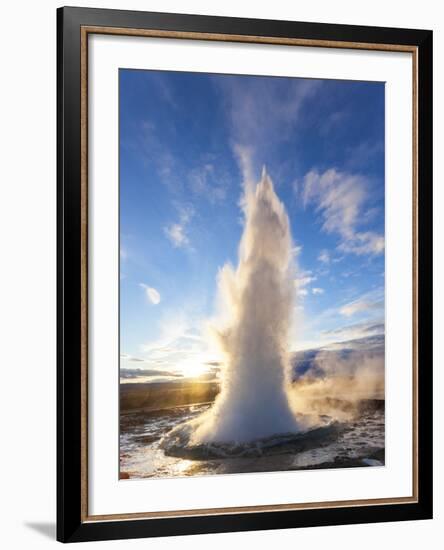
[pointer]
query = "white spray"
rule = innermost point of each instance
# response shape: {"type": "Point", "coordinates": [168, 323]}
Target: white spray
{"type": "Point", "coordinates": [258, 298]}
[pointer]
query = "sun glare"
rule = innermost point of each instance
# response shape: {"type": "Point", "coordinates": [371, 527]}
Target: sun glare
{"type": "Point", "coordinates": [193, 368]}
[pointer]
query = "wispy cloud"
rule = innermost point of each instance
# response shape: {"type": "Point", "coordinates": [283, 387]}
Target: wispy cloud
{"type": "Point", "coordinates": [303, 281]}
{"type": "Point", "coordinates": [356, 330]}
{"type": "Point", "coordinates": [180, 341]}
{"type": "Point", "coordinates": [296, 250]}
{"type": "Point", "coordinates": [367, 242]}
{"type": "Point", "coordinates": [324, 256]}
{"type": "Point", "coordinates": [265, 107]}
{"type": "Point", "coordinates": [340, 198]}
{"type": "Point", "coordinates": [244, 156]}
{"type": "Point", "coordinates": [151, 293]}
{"type": "Point", "coordinates": [359, 155]}
{"type": "Point", "coordinates": [172, 327]}
{"type": "Point", "coordinates": [317, 290]}
{"type": "Point", "coordinates": [360, 306]}
{"type": "Point", "coordinates": [157, 155]}
{"type": "Point", "coordinates": [177, 232]}
{"type": "Point", "coordinates": [332, 121]}
{"type": "Point", "coordinates": [262, 112]}
{"type": "Point", "coordinates": [164, 89]}
{"type": "Point", "coordinates": [207, 183]}
{"type": "Point", "coordinates": [127, 357]}
{"type": "Point", "coordinates": [148, 375]}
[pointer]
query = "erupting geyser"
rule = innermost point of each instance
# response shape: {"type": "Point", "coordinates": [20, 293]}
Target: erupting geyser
{"type": "Point", "coordinates": [258, 297]}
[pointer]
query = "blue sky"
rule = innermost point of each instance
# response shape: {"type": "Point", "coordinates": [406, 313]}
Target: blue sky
{"type": "Point", "coordinates": [187, 143]}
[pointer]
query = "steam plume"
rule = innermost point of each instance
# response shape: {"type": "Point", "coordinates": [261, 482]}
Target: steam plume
{"type": "Point", "coordinates": [258, 298]}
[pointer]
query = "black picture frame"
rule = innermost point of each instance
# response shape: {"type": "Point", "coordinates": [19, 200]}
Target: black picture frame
{"type": "Point", "coordinates": [72, 524]}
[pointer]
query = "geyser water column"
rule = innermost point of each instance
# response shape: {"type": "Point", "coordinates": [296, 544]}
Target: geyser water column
{"type": "Point", "coordinates": [258, 296]}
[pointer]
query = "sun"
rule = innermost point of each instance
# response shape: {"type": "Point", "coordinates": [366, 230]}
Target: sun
{"type": "Point", "coordinates": [193, 368]}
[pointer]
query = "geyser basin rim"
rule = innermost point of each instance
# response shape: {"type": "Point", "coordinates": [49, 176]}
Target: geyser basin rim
{"type": "Point", "coordinates": [178, 443]}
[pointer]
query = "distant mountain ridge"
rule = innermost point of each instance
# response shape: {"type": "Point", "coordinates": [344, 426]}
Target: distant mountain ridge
{"type": "Point", "coordinates": [309, 362]}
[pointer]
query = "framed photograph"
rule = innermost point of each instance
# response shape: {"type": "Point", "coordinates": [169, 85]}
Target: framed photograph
{"type": "Point", "coordinates": [244, 274]}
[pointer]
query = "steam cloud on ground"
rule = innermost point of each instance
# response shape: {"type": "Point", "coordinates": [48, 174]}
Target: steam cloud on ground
{"type": "Point", "coordinates": [336, 381]}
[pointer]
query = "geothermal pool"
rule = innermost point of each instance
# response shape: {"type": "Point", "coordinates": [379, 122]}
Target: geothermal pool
{"type": "Point", "coordinates": [356, 442]}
